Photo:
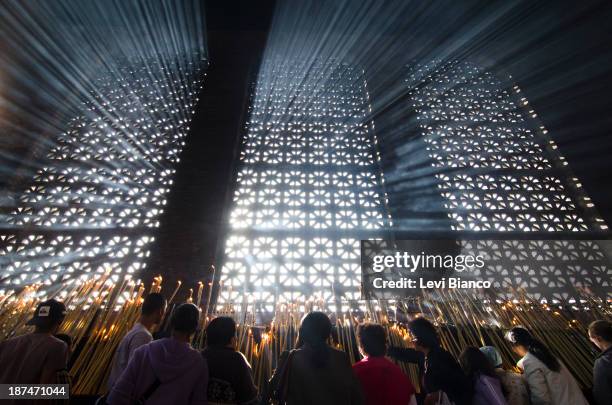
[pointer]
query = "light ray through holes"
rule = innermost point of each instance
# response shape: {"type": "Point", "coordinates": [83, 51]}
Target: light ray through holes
{"type": "Point", "coordinates": [308, 189]}
{"type": "Point", "coordinates": [497, 170]}
{"type": "Point", "coordinates": [129, 77]}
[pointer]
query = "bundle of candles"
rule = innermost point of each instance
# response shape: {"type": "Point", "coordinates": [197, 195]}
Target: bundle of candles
{"type": "Point", "coordinates": [100, 312]}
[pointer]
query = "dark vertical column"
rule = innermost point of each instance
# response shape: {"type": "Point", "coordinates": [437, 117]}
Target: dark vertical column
{"type": "Point", "coordinates": [194, 220]}
{"type": "Point", "coordinates": [414, 200]}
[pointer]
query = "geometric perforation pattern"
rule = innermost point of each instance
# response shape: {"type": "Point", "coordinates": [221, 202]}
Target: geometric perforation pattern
{"type": "Point", "coordinates": [308, 188]}
{"type": "Point", "coordinates": [495, 172]}
{"type": "Point", "coordinates": [93, 204]}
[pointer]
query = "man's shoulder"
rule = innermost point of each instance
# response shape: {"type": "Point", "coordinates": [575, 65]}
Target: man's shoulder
{"type": "Point", "coordinates": [228, 355]}
{"type": "Point", "coordinates": [13, 340]}
{"type": "Point", "coordinates": [371, 363]}
{"type": "Point", "coordinates": [381, 365]}
{"type": "Point", "coordinates": [57, 343]}
{"type": "Point", "coordinates": [49, 343]}
{"type": "Point", "coordinates": [338, 353]}
{"type": "Point", "coordinates": [603, 363]}
{"type": "Point", "coordinates": [140, 332]}
{"type": "Point", "coordinates": [305, 353]}
{"type": "Point", "coordinates": [9, 345]}
{"type": "Point", "coordinates": [137, 335]}
{"type": "Point", "coordinates": [35, 337]}
{"type": "Point", "coordinates": [392, 367]}
{"type": "Point", "coordinates": [140, 350]}
{"type": "Point", "coordinates": [194, 354]}
{"type": "Point", "coordinates": [361, 365]}
{"type": "Point", "coordinates": [340, 357]}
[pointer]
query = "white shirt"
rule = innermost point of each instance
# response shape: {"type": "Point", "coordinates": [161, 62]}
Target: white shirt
{"type": "Point", "coordinates": [136, 337]}
{"type": "Point", "coordinates": [547, 387]}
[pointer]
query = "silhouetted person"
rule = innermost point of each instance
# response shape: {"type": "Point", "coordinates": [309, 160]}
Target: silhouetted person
{"type": "Point", "coordinates": [37, 357]}
{"type": "Point", "coordinates": [151, 314]}
{"type": "Point", "coordinates": [230, 374]}
{"type": "Point", "coordinates": [600, 333]}
{"type": "Point", "coordinates": [165, 371]}
{"type": "Point", "coordinates": [486, 385]}
{"type": "Point", "coordinates": [441, 374]}
{"type": "Point", "coordinates": [317, 373]}
{"type": "Point", "coordinates": [548, 379]}
{"type": "Point", "coordinates": [383, 382]}
{"type": "Point", "coordinates": [514, 385]}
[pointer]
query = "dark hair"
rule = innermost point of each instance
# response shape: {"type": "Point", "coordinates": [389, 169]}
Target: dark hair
{"type": "Point", "coordinates": [372, 338]}
{"type": "Point", "coordinates": [185, 318]}
{"type": "Point", "coordinates": [315, 329]}
{"type": "Point", "coordinates": [602, 329]}
{"type": "Point", "coordinates": [475, 363]}
{"type": "Point", "coordinates": [521, 337]}
{"type": "Point", "coordinates": [152, 303]}
{"type": "Point", "coordinates": [220, 331]}
{"type": "Point", "coordinates": [424, 332]}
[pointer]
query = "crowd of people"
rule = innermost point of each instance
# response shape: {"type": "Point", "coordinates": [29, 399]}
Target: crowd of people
{"type": "Point", "coordinates": [170, 371]}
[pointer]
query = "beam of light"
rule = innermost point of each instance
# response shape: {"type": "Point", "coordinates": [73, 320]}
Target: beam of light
{"type": "Point", "coordinates": [308, 189]}
{"type": "Point", "coordinates": [450, 43]}
{"type": "Point", "coordinates": [460, 146]}
{"type": "Point", "coordinates": [107, 91]}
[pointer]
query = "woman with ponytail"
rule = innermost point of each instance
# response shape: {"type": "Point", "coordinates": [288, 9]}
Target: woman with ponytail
{"type": "Point", "coordinates": [317, 373]}
{"type": "Point", "coordinates": [549, 381]}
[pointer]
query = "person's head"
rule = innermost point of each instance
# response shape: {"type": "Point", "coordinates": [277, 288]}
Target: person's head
{"type": "Point", "coordinates": [474, 363]}
{"type": "Point", "coordinates": [185, 320]}
{"type": "Point", "coordinates": [221, 331]}
{"type": "Point", "coordinates": [522, 343]}
{"type": "Point", "coordinates": [492, 355]}
{"type": "Point", "coordinates": [600, 333]}
{"type": "Point", "coordinates": [424, 334]}
{"type": "Point", "coordinates": [315, 329]}
{"type": "Point", "coordinates": [372, 339]}
{"type": "Point", "coordinates": [48, 316]}
{"type": "Point", "coordinates": [520, 340]}
{"type": "Point", "coordinates": [153, 308]}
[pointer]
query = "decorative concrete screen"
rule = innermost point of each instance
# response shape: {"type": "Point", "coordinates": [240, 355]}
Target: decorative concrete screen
{"type": "Point", "coordinates": [94, 203]}
{"type": "Point", "coordinates": [308, 189]}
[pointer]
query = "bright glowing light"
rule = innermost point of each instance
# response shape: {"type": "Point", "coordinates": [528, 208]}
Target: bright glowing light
{"type": "Point", "coordinates": [99, 188]}
{"type": "Point", "coordinates": [308, 188]}
{"type": "Point", "coordinates": [495, 173]}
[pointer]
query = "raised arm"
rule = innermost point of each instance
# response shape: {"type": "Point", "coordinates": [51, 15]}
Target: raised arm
{"type": "Point", "coordinates": [406, 354]}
